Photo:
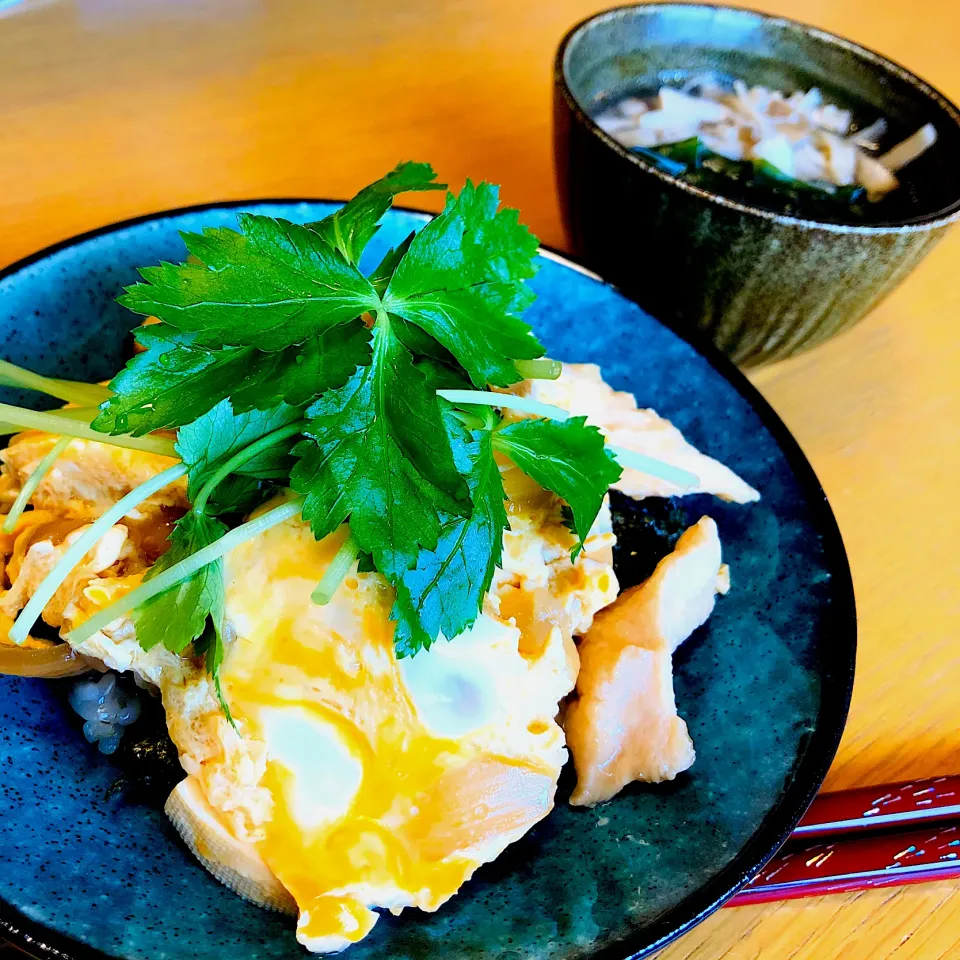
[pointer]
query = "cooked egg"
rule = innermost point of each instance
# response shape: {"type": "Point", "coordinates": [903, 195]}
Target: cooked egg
{"type": "Point", "coordinates": [349, 781]}
{"type": "Point", "coordinates": [88, 477]}
{"type": "Point", "coordinates": [362, 781]}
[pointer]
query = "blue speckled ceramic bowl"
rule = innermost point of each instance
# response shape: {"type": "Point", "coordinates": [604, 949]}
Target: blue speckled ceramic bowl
{"type": "Point", "coordinates": [764, 686]}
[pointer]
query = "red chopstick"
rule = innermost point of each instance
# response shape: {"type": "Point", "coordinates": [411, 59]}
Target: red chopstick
{"type": "Point", "coordinates": [868, 809]}
{"type": "Point", "coordinates": [869, 837]}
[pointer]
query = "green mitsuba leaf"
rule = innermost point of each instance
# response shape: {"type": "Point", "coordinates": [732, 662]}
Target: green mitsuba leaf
{"type": "Point", "coordinates": [567, 457]}
{"type": "Point", "coordinates": [175, 380]}
{"type": "Point", "coordinates": [172, 382]}
{"type": "Point", "coordinates": [299, 374]}
{"type": "Point", "coordinates": [379, 455]}
{"type": "Point", "coordinates": [208, 442]}
{"type": "Point", "coordinates": [444, 592]}
{"type": "Point", "coordinates": [239, 495]}
{"type": "Point", "coordinates": [352, 227]}
{"type": "Point", "coordinates": [178, 616]}
{"type": "Point", "coordinates": [380, 278]}
{"type": "Point", "coordinates": [463, 281]}
{"type": "Point", "coordinates": [210, 646]}
{"type": "Point", "coordinates": [270, 285]}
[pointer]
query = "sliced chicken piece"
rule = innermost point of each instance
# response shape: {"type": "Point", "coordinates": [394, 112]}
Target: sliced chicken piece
{"type": "Point", "coordinates": [627, 728]}
{"type": "Point", "coordinates": [581, 390]}
{"type": "Point", "coordinates": [472, 805]}
{"type": "Point", "coordinates": [88, 477]}
{"type": "Point", "coordinates": [624, 725]}
{"type": "Point", "coordinates": [235, 864]}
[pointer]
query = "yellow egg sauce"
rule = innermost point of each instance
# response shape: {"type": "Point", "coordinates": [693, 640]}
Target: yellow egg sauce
{"type": "Point", "coordinates": [33, 527]}
{"type": "Point", "coordinates": [370, 805]}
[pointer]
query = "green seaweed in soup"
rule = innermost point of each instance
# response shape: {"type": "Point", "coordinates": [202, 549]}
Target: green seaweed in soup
{"type": "Point", "coordinates": [755, 184]}
{"type": "Point", "coordinates": [796, 154]}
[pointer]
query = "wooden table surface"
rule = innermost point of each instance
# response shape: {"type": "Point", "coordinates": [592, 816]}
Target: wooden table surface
{"type": "Point", "coordinates": [112, 108]}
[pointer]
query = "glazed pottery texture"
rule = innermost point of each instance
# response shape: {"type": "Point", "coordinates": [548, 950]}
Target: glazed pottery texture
{"type": "Point", "coordinates": [764, 686]}
{"type": "Point", "coordinates": [763, 286]}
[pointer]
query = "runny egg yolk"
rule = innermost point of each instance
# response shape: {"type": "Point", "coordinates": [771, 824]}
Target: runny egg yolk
{"type": "Point", "coordinates": [390, 781]}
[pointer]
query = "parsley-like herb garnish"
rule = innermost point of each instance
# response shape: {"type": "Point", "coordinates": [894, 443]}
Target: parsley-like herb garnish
{"type": "Point", "coordinates": [378, 455]}
{"type": "Point", "coordinates": [443, 593]}
{"type": "Point", "coordinates": [268, 285]}
{"type": "Point", "coordinates": [566, 457]}
{"type": "Point", "coordinates": [283, 365]}
{"type": "Point", "coordinates": [178, 616]}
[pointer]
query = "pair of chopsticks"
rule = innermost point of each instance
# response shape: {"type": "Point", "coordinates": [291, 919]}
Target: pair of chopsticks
{"type": "Point", "coordinates": [869, 837]}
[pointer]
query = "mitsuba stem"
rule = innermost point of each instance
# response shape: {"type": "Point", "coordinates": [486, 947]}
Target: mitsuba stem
{"type": "Point", "coordinates": [49, 422]}
{"type": "Point", "coordinates": [82, 546]}
{"type": "Point", "coordinates": [627, 458]}
{"type": "Point", "coordinates": [339, 567]}
{"type": "Point", "coordinates": [244, 456]}
{"type": "Point", "coordinates": [184, 569]}
{"type": "Point", "coordinates": [70, 391]}
{"type": "Point", "coordinates": [32, 482]}
{"type": "Point", "coordinates": [542, 369]}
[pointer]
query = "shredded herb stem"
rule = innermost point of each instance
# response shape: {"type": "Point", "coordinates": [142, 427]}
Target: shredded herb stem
{"type": "Point", "coordinates": [505, 401]}
{"type": "Point", "coordinates": [242, 457]}
{"type": "Point", "coordinates": [80, 414]}
{"type": "Point", "coordinates": [83, 544]}
{"type": "Point", "coordinates": [85, 394]}
{"type": "Point", "coordinates": [32, 482]}
{"type": "Point", "coordinates": [24, 419]}
{"type": "Point", "coordinates": [470, 420]}
{"type": "Point", "coordinates": [655, 468]}
{"type": "Point", "coordinates": [542, 369]}
{"type": "Point", "coordinates": [339, 567]}
{"type": "Point", "coordinates": [185, 568]}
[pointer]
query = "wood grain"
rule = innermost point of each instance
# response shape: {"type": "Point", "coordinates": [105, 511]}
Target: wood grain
{"type": "Point", "coordinates": [112, 108]}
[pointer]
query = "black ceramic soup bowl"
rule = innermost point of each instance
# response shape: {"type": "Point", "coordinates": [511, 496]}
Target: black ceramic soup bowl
{"type": "Point", "coordinates": [763, 284]}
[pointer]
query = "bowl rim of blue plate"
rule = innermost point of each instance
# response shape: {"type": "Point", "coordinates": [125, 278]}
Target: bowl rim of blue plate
{"type": "Point", "coordinates": [837, 688]}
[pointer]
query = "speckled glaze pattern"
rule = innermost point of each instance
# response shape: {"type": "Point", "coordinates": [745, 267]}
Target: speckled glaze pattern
{"type": "Point", "coordinates": [764, 686]}
{"type": "Point", "coordinates": [763, 286]}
